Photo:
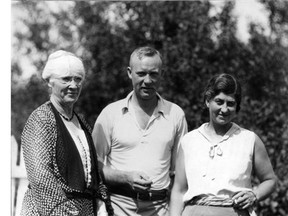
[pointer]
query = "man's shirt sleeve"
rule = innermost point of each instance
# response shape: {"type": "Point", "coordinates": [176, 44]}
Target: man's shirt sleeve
{"type": "Point", "coordinates": [101, 135]}
{"type": "Point", "coordinates": [181, 130]}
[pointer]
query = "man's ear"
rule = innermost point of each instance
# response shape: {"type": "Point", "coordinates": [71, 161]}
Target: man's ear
{"type": "Point", "coordinates": [207, 103]}
{"type": "Point", "coordinates": [129, 72]}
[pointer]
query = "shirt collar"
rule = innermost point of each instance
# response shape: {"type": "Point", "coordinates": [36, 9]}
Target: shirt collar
{"type": "Point", "coordinates": [234, 128]}
{"type": "Point", "coordinates": [161, 108]}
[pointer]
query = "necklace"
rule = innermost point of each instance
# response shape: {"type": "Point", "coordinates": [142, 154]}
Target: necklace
{"type": "Point", "coordinates": [67, 119]}
{"type": "Point", "coordinates": [85, 160]}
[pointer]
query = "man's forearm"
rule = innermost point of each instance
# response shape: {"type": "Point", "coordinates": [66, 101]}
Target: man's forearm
{"type": "Point", "coordinates": [115, 177]}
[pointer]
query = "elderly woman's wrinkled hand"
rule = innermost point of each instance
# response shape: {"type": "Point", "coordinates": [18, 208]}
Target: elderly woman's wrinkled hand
{"type": "Point", "coordinates": [244, 199]}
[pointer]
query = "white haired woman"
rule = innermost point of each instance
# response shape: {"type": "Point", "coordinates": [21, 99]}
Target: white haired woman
{"type": "Point", "coordinates": [58, 150]}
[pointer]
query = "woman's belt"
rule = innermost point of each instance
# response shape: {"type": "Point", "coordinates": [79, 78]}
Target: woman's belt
{"type": "Point", "coordinates": [206, 200]}
{"type": "Point", "coordinates": [151, 195]}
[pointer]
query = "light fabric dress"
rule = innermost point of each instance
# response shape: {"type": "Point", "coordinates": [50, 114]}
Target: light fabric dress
{"type": "Point", "coordinates": [218, 169]}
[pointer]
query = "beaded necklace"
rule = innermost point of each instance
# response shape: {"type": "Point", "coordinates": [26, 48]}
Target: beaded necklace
{"type": "Point", "coordinates": [85, 155]}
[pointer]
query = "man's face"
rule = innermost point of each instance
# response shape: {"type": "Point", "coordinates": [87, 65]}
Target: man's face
{"type": "Point", "coordinates": [145, 75]}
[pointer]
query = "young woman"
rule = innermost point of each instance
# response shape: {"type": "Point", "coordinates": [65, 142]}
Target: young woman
{"type": "Point", "coordinates": [216, 161]}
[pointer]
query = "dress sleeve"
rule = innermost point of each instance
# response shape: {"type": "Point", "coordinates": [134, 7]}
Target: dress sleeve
{"type": "Point", "coordinates": [38, 142]}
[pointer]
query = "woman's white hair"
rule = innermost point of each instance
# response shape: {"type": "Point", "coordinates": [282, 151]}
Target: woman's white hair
{"type": "Point", "coordinates": [60, 63]}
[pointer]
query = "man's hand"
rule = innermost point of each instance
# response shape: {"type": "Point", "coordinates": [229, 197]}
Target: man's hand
{"type": "Point", "coordinates": [139, 181]}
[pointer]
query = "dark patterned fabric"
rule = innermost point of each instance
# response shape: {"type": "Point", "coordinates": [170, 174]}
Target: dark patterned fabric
{"type": "Point", "coordinates": [47, 164]}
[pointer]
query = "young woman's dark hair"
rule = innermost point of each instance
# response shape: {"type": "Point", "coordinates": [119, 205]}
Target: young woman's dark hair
{"type": "Point", "coordinates": [225, 83]}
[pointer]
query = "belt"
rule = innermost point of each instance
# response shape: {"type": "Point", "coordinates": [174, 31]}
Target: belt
{"type": "Point", "coordinates": [205, 200]}
{"type": "Point", "coordinates": [151, 195]}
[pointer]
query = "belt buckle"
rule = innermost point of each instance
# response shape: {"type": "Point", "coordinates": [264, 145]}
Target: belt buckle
{"type": "Point", "coordinates": [144, 196]}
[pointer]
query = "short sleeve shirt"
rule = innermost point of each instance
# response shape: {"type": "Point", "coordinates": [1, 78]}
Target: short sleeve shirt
{"type": "Point", "coordinates": [122, 145]}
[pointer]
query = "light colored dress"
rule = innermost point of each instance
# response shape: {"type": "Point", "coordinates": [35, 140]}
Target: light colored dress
{"type": "Point", "coordinates": [218, 168]}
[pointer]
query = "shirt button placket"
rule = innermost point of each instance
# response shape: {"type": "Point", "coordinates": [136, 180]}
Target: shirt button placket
{"type": "Point", "coordinates": [144, 139]}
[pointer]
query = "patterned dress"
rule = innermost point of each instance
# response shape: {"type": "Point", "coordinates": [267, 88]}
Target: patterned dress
{"type": "Point", "coordinates": [54, 169]}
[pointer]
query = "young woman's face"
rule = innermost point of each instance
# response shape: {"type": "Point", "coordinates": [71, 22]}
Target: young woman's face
{"type": "Point", "coordinates": [222, 108]}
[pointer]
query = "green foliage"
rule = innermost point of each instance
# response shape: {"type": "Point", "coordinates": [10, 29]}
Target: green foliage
{"type": "Point", "coordinates": [194, 46]}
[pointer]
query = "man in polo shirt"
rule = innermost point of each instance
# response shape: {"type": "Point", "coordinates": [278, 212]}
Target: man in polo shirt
{"type": "Point", "coordinates": [137, 138]}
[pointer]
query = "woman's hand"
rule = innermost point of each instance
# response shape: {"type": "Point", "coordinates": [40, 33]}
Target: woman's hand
{"type": "Point", "coordinates": [244, 199]}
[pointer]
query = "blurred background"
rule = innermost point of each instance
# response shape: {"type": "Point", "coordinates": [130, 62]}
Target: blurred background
{"type": "Point", "coordinates": [197, 39]}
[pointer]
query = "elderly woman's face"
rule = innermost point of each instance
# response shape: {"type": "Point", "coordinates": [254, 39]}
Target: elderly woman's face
{"type": "Point", "coordinates": [66, 88]}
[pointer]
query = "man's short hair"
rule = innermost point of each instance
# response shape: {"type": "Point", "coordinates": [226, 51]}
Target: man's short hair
{"type": "Point", "coordinates": [144, 52]}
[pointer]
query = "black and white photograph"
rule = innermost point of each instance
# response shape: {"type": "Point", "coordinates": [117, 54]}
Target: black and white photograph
{"type": "Point", "coordinates": [148, 108]}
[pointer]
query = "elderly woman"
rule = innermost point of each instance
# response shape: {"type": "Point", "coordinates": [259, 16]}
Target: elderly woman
{"type": "Point", "coordinates": [216, 161]}
{"type": "Point", "coordinates": [59, 154]}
